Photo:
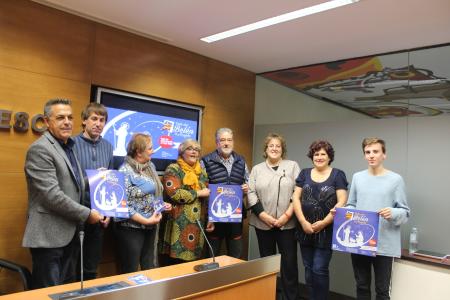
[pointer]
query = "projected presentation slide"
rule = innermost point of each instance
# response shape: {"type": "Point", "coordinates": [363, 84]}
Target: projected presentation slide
{"type": "Point", "coordinates": [167, 132]}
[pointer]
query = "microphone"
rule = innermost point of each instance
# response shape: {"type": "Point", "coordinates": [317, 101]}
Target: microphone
{"type": "Point", "coordinates": [81, 258]}
{"type": "Point", "coordinates": [279, 187]}
{"type": "Point", "coordinates": [206, 266]}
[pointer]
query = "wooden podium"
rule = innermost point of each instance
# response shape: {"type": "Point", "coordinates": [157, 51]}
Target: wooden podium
{"type": "Point", "coordinates": [235, 279]}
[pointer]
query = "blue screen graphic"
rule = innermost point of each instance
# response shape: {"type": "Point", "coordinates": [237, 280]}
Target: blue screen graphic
{"type": "Point", "coordinates": [167, 132]}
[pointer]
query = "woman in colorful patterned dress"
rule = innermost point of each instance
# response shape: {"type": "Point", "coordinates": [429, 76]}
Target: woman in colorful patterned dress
{"type": "Point", "coordinates": [185, 186]}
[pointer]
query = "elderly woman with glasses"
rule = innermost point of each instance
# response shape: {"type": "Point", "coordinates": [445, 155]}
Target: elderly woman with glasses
{"type": "Point", "coordinates": [185, 186]}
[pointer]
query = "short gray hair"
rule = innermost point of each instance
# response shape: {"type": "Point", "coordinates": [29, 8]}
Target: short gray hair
{"type": "Point", "coordinates": [223, 130]}
{"type": "Point", "coordinates": [51, 102]}
{"type": "Point", "coordinates": [186, 144]}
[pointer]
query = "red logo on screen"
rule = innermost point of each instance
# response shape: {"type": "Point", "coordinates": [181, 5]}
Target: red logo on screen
{"type": "Point", "coordinates": [166, 141]}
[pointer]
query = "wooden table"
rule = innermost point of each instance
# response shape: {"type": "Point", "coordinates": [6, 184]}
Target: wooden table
{"type": "Point", "coordinates": [260, 283]}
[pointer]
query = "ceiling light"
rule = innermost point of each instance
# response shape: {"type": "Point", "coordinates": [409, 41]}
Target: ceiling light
{"type": "Point", "coordinates": [278, 19]}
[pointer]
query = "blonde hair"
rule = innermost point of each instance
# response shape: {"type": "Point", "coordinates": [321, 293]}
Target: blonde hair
{"type": "Point", "coordinates": [138, 144]}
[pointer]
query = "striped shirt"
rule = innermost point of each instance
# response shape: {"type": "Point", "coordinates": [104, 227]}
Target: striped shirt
{"type": "Point", "coordinates": [92, 155]}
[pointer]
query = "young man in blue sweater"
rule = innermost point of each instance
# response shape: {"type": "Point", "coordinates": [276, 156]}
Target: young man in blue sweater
{"type": "Point", "coordinates": [93, 152]}
{"type": "Point", "coordinates": [378, 189]}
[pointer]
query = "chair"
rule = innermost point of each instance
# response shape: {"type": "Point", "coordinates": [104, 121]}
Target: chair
{"type": "Point", "coordinates": [23, 272]}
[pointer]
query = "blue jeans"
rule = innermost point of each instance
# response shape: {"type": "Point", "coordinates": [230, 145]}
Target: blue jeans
{"type": "Point", "coordinates": [316, 262]}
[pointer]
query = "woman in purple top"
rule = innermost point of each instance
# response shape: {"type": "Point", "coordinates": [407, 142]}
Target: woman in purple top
{"type": "Point", "coordinates": [319, 189]}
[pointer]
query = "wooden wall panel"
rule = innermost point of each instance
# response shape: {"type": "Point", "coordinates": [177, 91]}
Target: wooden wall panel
{"type": "Point", "coordinates": [36, 39]}
{"type": "Point", "coordinates": [46, 53]}
{"type": "Point", "coordinates": [10, 282]}
{"type": "Point", "coordinates": [230, 95]}
{"type": "Point", "coordinates": [28, 92]}
{"type": "Point", "coordinates": [13, 207]}
{"type": "Point", "coordinates": [133, 63]}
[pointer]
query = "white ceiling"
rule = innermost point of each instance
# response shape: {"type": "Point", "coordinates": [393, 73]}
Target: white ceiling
{"type": "Point", "coordinates": [365, 28]}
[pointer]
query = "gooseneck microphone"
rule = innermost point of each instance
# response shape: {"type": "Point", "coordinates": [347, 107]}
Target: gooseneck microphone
{"type": "Point", "coordinates": [279, 188]}
{"type": "Point", "coordinates": [81, 259]}
{"type": "Point", "coordinates": [206, 266]}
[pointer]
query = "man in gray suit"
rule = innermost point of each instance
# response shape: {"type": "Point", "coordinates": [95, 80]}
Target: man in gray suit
{"type": "Point", "coordinates": [55, 187]}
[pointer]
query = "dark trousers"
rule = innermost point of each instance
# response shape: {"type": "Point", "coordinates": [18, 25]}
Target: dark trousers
{"type": "Point", "coordinates": [317, 275]}
{"type": "Point", "coordinates": [92, 251]}
{"type": "Point", "coordinates": [234, 246]}
{"type": "Point", "coordinates": [136, 247]}
{"type": "Point", "coordinates": [362, 269]}
{"type": "Point", "coordinates": [268, 240]}
{"type": "Point", "coordinates": [54, 266]}
{"type": "Point", "coordinates": [170, 261]}
{"type": "Point", "coordinates": [231, 233]}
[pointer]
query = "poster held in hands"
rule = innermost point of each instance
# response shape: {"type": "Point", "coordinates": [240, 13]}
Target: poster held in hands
{"type": "Point", "coordinates": [355, 231]}
{"type": "Point", "coordinates": [159, 205]}
{"type": "Point", "coordinates": [107, 191]}
{"type": "Point", "coordinates": [225, 203]}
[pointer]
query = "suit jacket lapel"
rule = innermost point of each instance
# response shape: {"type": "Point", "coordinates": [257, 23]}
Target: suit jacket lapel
{"type": "Point", "coordinates": [62, 153]}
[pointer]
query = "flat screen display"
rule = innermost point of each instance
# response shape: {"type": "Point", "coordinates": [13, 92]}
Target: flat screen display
{"type": "Point", "coordinates": [168, 122]}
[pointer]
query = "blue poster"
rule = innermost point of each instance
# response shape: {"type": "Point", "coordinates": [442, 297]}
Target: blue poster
{"type": "Point", "coordinates": [158, 205]}
{"type": "Point", "coordinates": [355, 231]}
{"type": "Point", "coordinates": [107, 191]}
{"type": "Point", "coordinates": [167, 132]}
{"type": "Point", "coordinates": [225, 203]}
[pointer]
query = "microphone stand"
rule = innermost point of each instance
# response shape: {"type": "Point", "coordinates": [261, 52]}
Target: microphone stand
{"type": "Point", "coordinates": [81, 260]}
{"type": "Point", "coordinates": [206, 266]}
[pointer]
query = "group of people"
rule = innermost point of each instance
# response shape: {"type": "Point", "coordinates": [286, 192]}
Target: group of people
{"type": "Point", "coordinates": [278, 190]}
{"type": "Point", "coordinates": [288, 206]}
{"type": "Point", "coordinates": [60, 205]}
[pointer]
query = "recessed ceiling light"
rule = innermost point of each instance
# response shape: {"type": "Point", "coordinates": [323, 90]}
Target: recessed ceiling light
{"type": "Point", "coordinates": [278, 19]}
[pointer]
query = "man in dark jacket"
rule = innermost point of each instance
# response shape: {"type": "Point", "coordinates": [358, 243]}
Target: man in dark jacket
{"type": "Point", "coordinates": [224, 166]}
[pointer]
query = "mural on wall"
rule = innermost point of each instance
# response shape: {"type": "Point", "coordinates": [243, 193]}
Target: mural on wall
{"type": "Point", "coordinates": [410, 83]}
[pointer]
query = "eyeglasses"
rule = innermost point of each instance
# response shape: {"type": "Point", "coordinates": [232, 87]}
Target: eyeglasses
{"type": "Point", "coordinates": [193, 149]}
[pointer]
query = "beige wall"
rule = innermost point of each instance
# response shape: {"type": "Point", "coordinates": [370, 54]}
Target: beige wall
{"type": "Point", "coordinates": [412, 280]}
{"type": "Point", "coordinates": [46, 53]}
{"type": "Point", "coordinates": [277, 104]}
